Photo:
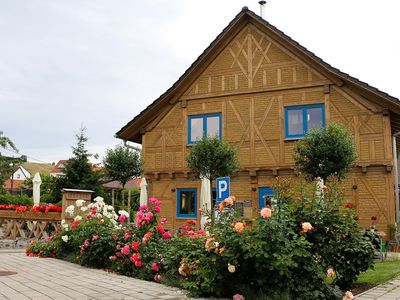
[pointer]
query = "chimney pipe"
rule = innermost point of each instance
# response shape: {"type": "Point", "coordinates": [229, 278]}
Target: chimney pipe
{"type": "Point", "coordinates": [262, 8]}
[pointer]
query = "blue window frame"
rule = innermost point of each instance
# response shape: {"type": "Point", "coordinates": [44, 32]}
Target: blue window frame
{"type": "Point", "coordinates": [200, 126]}
{"type": "Point", "coordinates": [186, 203]}
{"type": "Point", "coordinates": [300, 119]}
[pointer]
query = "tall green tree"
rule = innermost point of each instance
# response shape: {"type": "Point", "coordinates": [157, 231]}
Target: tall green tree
{"type": "Point", "coordinates": [122, 164]}
{"type": "Point", "coordinates": [325, 151]}
{"type": "Point", "coordinates": [212, 158]}
{"type": "Point", "coordinates": [79, 172]}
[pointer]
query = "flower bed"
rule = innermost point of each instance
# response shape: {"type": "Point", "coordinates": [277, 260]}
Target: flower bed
{"type": "Point", "coordinates": [289, 253]}
{"type": "Point", "coordinates": [25, 208]}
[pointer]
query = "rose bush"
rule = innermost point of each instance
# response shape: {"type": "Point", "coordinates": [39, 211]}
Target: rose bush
{"type": "Point", "coordinates": [288, 253]}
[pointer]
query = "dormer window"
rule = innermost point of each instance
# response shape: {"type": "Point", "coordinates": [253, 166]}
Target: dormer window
{"type": "Point", "coordinates": [206, 125]}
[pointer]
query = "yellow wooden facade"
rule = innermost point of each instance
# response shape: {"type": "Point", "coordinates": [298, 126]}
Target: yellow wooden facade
{"type": "Point", "coordinates": [249, 75]}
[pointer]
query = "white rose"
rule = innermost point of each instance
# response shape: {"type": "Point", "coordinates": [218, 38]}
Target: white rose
{"type": "Point", "coordinates": [70, 210]}
{"type": "Point", "coordinates": [231, 268]}
{"type": "Point", "coordinates": [65, 238]}
{"type": "Point", "coordinates": [77, 218]}
{"type": "Point", "coordinates": [79, 202]}
{"type": "Point", "coordinates": [123, 212]}
{"type": "Point", "coordinates": [84, 208]}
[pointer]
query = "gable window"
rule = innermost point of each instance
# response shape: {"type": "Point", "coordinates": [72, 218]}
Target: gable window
{"type": "Point", "coordinates": [300, 119]}
{"type": "Point", "coordinates": [207, 125]}
{"type": "Point", "coordinates": [186, 203]}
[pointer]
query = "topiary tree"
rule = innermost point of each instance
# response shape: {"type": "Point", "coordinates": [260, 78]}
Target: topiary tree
{"type": "Point", "coordinates": [325, 151]}
{"type": "Point", "coordinates": [212, 158]}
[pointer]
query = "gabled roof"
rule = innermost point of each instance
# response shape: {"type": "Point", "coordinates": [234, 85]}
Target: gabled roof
{"type": "Point", "coordinates": [33, 168]}
{"type": "Point", "coordinates": [133, 130]}
{"type": "Point", "coordinates": [59, 167]}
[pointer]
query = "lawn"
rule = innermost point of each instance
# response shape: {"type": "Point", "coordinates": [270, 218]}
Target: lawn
{"type": "Point", "coordinates": [382, 272]}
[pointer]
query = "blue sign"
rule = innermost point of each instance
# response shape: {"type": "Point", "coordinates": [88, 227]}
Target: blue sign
{"type": "Point", "coordinates": [223, 189]}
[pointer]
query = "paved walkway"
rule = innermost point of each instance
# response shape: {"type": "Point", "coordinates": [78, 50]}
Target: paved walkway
{"type": "Point", "coordinates": [48, 278]}
{"type": "Point", "coordinates": [387, 291]}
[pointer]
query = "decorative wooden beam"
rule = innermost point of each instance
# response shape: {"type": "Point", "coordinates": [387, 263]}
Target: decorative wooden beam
{"type": "Point", "coordinates": [275, 171]}
{"type": "Point", "coordinates": [171, 175]}
{"type": "Point", "coordinates": [156, 176]}
{"type": "Point", "coordinates": [388, 168]}
{"type": "Point", "coordinates": [364, 169]}
{"type": "Point", "coordinates": [327, 89]}
{"type": "Point", "coordinates": [183, 103]}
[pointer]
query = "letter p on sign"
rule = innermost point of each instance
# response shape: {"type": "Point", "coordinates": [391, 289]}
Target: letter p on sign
{"type": "Point", "coordinates": [223, 188]}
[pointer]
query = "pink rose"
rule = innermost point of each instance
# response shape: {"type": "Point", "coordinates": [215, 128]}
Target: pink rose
{"type": "Point", "coordinates": [144, 240]}
{"type": "Point", "coordinates": [154, 267]}
{"type": "Point", "coordinates": [135, 246]}
{"type": "Point", "coordinates": [154, 201]}
{"type": "Point", "coordinates": [147, 220]}
{"type": "Point", "coordinates": [95, 237]}
{"type": "Point", "coordinates": [160, 229]}
{"type": "Point", "coordinates": [139, 214]}
{"type": "Point", "coordinates": [163, 220]}
{"type": "Point", "coordinates": [138, 263]}
{"type": "Point", "coordinates": [112, 257]}
{"type": "Point", "coordinates": [157, 209]}
{"type": "Point", "coordinates": [238, 297]}
{"type": "Point", "coordinates": [125, 250]}
{"type": "Point", "coordinates": [266, 212]}
{"type": "Point", "coordinates": [149, 215]}
{"type": "Point", "coordinates": [31, 254]}
{"type": "Point", "coordinates": [86, 243]}
{"type": "Point", "coordinates": [143, 207]}
{"type": "Point", "coordinates": [122, 218]}
{"type": "Point", "coordinates": [167, 235]}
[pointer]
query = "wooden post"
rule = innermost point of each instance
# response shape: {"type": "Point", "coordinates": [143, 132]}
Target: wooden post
{"type": "Point", "coordinates": [129, 207]}
{"type": "Point", "coordinates": [112, 197]}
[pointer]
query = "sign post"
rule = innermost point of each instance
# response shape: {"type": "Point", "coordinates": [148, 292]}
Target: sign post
{"type": "Point", "coordinates": [223, 188]}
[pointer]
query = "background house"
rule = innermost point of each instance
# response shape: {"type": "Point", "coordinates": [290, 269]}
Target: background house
{"type": "Point", "coordinates": [23, 172]}
{"type": "Point", "coordinates": [260, 90]}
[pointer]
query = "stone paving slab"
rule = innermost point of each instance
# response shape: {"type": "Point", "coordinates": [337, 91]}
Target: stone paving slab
{"type": "Point", "coordinates": [387, 291]}
{"type": "Point", "coordinates": [48, 278]}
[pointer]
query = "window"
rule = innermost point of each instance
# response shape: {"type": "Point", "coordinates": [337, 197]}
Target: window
{"type": "Point", "coordinates": [200, 126]}
{"type": "Point", "coordinates": [186, 203]}
{"type": "Point", "coordinates": [300, 119]}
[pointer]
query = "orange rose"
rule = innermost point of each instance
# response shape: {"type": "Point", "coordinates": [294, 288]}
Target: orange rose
{"type": "Point", "coordinates": [239, 227]}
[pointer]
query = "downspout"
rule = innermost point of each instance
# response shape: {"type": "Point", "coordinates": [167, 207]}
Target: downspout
{"type": "Point", "coordinates": [131, 146]}
{"type": "Point", "coordinates": [396, 176]}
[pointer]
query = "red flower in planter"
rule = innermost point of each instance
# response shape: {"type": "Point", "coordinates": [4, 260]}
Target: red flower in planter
{"type": "Point", "coordinates": [348, 205]}
{"type": "Point", "coordinates": [374, 218]}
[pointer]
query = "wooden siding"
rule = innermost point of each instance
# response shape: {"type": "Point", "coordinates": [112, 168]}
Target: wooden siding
{"type": "Point", "coordinates": [250, 83]}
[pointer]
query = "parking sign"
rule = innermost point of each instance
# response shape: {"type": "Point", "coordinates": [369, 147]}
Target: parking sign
{"type": "Point", "coordinates": [223, 188]}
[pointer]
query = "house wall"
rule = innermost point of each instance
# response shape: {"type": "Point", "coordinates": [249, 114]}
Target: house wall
{"type": "Point", "coordinates": [250, 83]}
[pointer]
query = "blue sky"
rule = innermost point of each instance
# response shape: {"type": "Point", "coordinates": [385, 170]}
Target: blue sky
{"type": "Point", "coordinates": [64, 64]}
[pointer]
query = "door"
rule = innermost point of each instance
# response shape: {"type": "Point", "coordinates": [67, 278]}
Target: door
{"type": "Point", "coordinates": [266, 196]}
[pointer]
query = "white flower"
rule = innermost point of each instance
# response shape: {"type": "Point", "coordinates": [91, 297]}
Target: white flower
{"type": "Point", "coordinates": [123, 212]}
{"type": "Point", "coordinates": [110, 207]}
{"type": "Point", "coordinates": [77, 218]}
{"type": "Point", "coordinates": [79, 202]}
{"type": "Point", "coordinates": [231, 268]}
{"type": "Point", "coordinates": [70, 210]}
{"type": "Point", "coordinates": [84, 208]}
{"type": "Point", "coordinates": [99, 200]}
{"type": "Point", "coordinates": [65, 238]}
{"type": "Point", "coordinates": [62, 222]}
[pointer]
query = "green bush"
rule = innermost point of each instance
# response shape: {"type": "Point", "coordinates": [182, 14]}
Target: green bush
{"type": "Point", "coordinates": [336, 238]}
{"type": "Point", "coordinates": [17, 200]}
{"type": "Point", "coordinates": [285, 255]}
